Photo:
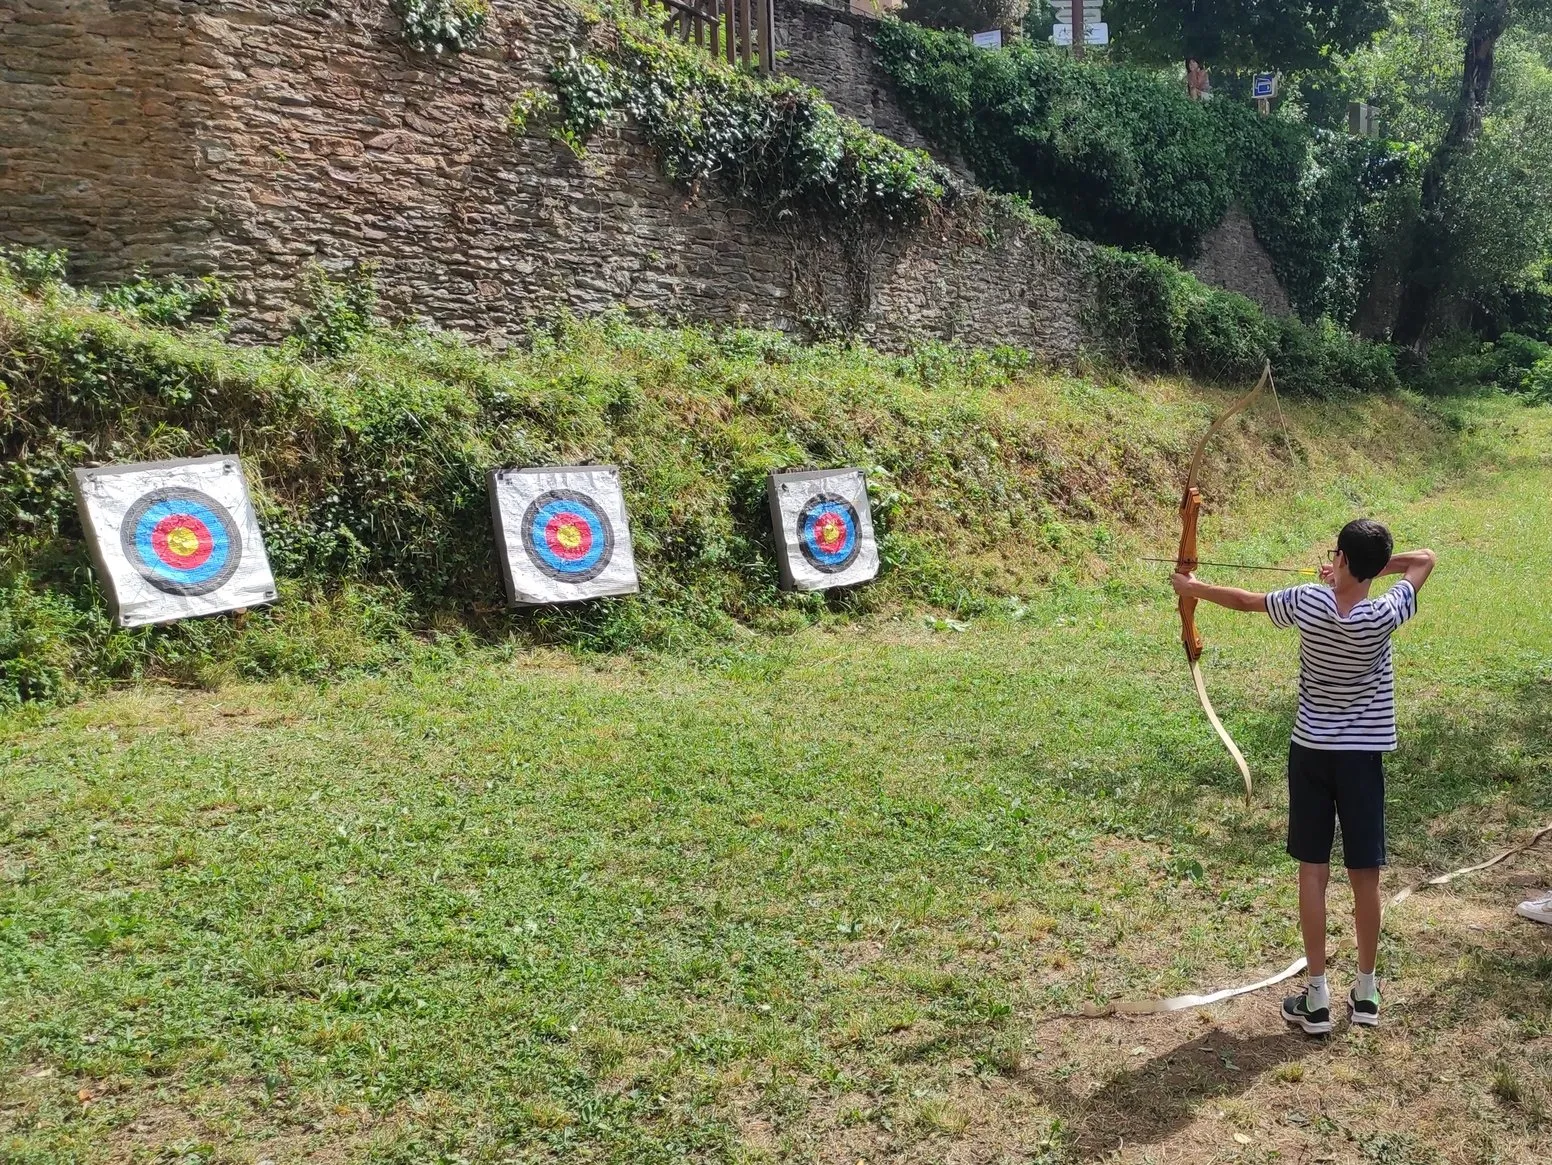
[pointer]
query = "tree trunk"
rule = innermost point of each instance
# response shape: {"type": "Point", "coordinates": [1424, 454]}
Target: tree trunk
{"type": "Point", "coordinates": [1430, 253]}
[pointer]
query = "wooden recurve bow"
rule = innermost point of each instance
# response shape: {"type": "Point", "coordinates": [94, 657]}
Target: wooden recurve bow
{"type": "Point", "coordinates": [1186, 561]}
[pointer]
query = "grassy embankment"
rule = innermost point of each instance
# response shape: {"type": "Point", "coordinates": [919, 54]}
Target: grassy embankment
{"type": "Point", "coordinates": [991, 478]}
{"type": "Point", "coordinates": [805, 895]}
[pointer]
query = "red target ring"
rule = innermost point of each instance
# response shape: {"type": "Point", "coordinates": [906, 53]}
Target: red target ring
{"type": "Point", "coordinates": [182, 541]}
{"type": "Point", "coordinates": [568, 536]}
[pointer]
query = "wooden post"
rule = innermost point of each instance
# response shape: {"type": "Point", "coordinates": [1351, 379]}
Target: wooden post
{"type": "Point", "coordinates": [1077, 30]}
{"type": "Point", "coordinates": [731, 25]}
{"type": "Point", "coordinates": [767, 36]}
{"type": "Point", "coordinates": [746, 18]}
{"type": "Point", "coordinates": [716, 27]}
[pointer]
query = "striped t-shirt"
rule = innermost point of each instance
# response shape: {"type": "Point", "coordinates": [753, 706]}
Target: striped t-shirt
{"type": "Point", "coordinates": [1347, 687]}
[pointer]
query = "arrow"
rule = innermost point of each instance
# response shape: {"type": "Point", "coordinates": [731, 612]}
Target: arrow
{"type": "Point", "coordinates": [1244, 566]}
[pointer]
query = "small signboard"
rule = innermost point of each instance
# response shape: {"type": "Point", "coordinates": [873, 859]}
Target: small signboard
{"type": "Point", "coordinates": [988, 40]}
{"type": "Point", "coordinates": [1095, 34]}
{"type": "Point", "coordinates": [1264, 87]}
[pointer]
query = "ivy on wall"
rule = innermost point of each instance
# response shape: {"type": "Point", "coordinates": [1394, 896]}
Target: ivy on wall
{"type": "Point", "coordinates": [773, 144]}
{"type": "Point", "coordinates": [1122, 156]}
{"type": "Point", "coordinates": [442, 26]}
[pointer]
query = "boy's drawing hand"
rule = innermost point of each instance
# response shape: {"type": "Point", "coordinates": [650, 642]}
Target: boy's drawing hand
{"type": "Point", "coordinates": [1327, 573]}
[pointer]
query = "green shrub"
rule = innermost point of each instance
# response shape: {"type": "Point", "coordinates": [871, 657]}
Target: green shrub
{"type": "Point", "coordinates": [340, 313]}
{"type": "Point", "coordinates": [1537, 384]}
{"type": "Point", "coordinates": [172, 301]}
{"type": "Point", "coordinates": [34, 269]}
{"type": "Point", "coordinates": [1122, 156]}
{"type": "Point", "coordinates": [1154, 315]}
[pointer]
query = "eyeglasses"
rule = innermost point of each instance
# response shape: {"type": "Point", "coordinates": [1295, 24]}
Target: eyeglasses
{"type": "Point", "coordinates": [1331, 555]}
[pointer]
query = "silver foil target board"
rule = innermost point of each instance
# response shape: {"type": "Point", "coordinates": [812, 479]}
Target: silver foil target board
{"type": "Point", "coordinates": [824, 529]}
{"type": "Point", "coordinates": [562, 534]}
{"type": "Point", "coordinates": [173, 539]}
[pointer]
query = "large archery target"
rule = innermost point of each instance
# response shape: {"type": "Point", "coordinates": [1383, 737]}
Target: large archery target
{"type": "Point", "coordinates": [562, 534]}
{"type": "Point", "coordinates": [824, 529]}
{"type": "Point", "coordinates": [181, 541]}
{"type": "Point", "coordinates": [174, 539]}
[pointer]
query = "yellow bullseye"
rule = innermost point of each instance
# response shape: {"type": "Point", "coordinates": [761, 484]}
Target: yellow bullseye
{"type": "Point", "coordinates": [182, 541]}
{"type": "Point", "coordinates": [569, 536]}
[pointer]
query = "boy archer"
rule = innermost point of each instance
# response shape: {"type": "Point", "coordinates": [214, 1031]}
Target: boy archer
{"type": "Point", "coordinates": [1346, 722]}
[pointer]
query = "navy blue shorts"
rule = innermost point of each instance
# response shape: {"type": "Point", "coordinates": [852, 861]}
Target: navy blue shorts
{"type": "Point", "coordinates": [1326, 786]}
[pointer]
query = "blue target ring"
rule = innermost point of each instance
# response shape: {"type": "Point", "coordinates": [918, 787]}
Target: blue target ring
{"type": "Point", "coordinates": [181, 541]}
{"type": "Point", "coordinates": [829, 534]}
{"type": "Point", "coordinates": [567, 536]}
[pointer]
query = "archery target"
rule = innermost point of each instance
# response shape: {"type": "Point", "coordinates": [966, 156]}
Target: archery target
{"type": "Point", "coordinates": [824, 529]}
{"type": "Point", "coordinates": [562, 534]}
{"type": "Point", "coordinates": [174, 539]}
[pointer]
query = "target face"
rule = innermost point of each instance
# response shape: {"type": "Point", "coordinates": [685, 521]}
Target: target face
{"type": "Point", "coordinates": [828, 533]}
{"type": "Point", "coordinates": [824, 529]}
{"type": "Point", "coordinates": [181, 541]}
{"type": "Point", "coordinates": [568, 536]}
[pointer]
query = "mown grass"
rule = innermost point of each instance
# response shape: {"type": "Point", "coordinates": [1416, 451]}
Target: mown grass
{"type": "Point", "coordinates": [804, 897]}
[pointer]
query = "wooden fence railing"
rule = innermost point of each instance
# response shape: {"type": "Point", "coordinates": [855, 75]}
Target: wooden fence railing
{"type": "Point", "coordinates": [743, 30]}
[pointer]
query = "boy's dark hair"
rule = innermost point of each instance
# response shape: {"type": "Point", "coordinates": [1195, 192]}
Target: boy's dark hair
{"type": "Point", "coordinates": [1367, 545]}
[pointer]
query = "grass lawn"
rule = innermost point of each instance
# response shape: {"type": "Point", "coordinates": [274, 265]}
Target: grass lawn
{"type": "Point", "coordinates": [822, 897]}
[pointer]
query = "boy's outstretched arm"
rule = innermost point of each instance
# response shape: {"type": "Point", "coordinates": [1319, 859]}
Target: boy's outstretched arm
{"type": "Point", "coordinates": [1416, 565]}
{"type": "Point", "coordinates": [1190, 587]}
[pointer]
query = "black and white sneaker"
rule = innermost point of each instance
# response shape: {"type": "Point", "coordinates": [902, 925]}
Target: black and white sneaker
{"type": "Point", "coordinates": [1365, 1012]}
{"type": "Point", "coordinates": [1296, 1010]}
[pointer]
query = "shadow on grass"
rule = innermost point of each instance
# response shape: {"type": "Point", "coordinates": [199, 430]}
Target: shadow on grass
{"type": "Point", "coordinates": [1509, 982]}
{"type": "Point", "coordinates": [1150, 1102]}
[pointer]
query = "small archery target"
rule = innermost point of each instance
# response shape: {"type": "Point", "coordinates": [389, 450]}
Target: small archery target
{"type": "Point", "coordinates": [567, 535]}
{"type": "Point", "coordinates": [828, 533]}
{"type": "Point", "coordinates": [181, 541]}
{"type": "Point", "coordinates": [824, 529]}
{"type": "Point", "coordinates": [562, 534]}
{"type": "Point", "coordinates": [174, 539]}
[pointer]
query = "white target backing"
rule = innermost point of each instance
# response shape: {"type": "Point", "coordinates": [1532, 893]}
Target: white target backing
{"type": "Point", "coordinates": [824, 529]}
{"type": "Point", "coordinates": [174, 539]}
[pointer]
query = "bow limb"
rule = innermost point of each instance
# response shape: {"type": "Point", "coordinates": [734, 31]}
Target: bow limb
{"type": "Point", "coordinates": [1185, 563]}
{"type": "Point", "coordinates": [1223, 733]}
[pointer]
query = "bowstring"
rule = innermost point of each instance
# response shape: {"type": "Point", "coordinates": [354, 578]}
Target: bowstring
{"type": "Point", "coordinates": [1281, 421]}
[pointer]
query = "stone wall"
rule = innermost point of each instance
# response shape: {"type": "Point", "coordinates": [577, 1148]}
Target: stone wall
{"type": "Point", "coordinates": [253, 137]}
{"type": "Point", "coordinates": [1233, 259]}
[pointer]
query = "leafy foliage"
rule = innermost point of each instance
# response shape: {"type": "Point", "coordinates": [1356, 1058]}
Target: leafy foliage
{"type": "Point", "coordinates": [442, 26]}
{"type": "Point", "coordinates": [1291, 34]}
{"type": "Point", "coordinates": [340, 313]}
{"type": "Point", "coordinates": [774, 144]}
{"type": "Point", "coordinates": [967, 15]}
{"type": "Point", "coordinates": [1121, 156]}
{"type": "Point", "coordinates": [172, 301]}
{"type": "Point", "coordinates": [1160, 317]}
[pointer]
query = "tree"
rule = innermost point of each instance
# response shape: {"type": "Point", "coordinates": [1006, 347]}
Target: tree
{"type": "Point", "coordinates": [1451, 194]}
{"type": "Point", "coordinates": [1241, 34]}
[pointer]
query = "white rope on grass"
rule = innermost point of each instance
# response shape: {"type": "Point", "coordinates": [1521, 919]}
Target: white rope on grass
{"type": "Point", "coordinates": [1184, 1002]}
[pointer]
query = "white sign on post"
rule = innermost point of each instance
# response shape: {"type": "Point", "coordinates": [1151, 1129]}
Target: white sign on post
{"type": "Point", "coordinates": [1061, 35]}
{"type": "Point", "coordinates": [988, 40]}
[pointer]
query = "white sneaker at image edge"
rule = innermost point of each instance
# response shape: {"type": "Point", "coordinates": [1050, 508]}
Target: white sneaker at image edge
{"type": "Point", "coordinates": [1537, 910]}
